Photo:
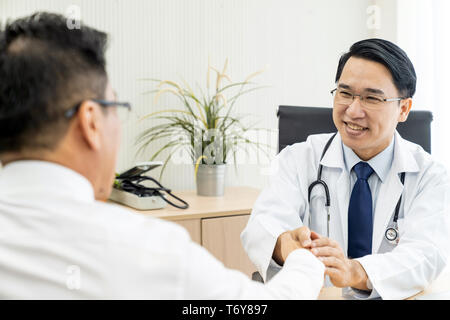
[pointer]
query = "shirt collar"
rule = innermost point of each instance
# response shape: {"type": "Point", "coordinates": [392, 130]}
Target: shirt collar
{"type": "Point", "coordinates": [44, 177]}
{"type": "Point", "coordinates": [381, 163]}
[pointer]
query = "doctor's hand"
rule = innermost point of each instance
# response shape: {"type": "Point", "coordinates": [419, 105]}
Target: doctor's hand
{"type": "Point", "coordinates": [289, 241]}
{"type": "Point", "coordinates": [343, 272]}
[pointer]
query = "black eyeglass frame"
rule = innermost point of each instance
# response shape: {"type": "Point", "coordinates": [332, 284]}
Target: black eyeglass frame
{"type": "Point", "coordinates": [104, 103]}
{"type": "Point", "coordinates": [360, 96]}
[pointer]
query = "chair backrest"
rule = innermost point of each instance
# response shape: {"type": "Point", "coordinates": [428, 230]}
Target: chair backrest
{"type": "Point", "coordinates": [295, 124]}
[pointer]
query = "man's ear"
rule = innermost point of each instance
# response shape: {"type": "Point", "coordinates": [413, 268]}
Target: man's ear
{"type": "Point", "coordinates": [405, 107]}
{"type": "Point", "coordinates": [89, 116]}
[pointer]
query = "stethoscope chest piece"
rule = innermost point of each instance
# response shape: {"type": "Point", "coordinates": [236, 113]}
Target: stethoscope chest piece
{"type": "Point", "coordinates": [391, 235]}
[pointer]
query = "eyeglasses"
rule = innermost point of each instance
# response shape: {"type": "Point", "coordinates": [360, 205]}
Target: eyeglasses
{"type": "Point", "coordinates": [369, 100]}
{"type": "Point", "coordinates": [104, 103]}
{"type": "Point", "coordinates": [124, 116]}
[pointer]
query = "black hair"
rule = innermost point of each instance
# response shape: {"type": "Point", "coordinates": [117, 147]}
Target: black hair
{"type": "Point", "coordinates": [46, 68]}
{"type": "Point", "coordinates": [388, 54]}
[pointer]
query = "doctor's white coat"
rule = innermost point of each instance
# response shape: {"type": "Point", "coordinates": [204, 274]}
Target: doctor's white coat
{"type": "Point", "coordinates": [395, 271]}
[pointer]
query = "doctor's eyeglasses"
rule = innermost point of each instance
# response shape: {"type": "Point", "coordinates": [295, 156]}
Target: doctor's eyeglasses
{"type": "Point", "coordinates": [369, 100]}
{"type": "Point", "coordinates": [124, 113]}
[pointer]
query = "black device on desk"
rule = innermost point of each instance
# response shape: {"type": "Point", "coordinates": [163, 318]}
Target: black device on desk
{"type": "Point", "coordinates": [139, 169]}
{"type": "Point", "coordinates": [129, 190]}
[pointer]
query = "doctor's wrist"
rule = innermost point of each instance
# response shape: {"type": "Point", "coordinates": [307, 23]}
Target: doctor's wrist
{"type": "Point", "coordinates": [359, 276]}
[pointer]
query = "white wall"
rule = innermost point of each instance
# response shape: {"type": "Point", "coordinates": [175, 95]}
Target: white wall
{"type": "Point", "coordinates": [301, 41]}
{"type": "Point", "coordinates": [387, 25]}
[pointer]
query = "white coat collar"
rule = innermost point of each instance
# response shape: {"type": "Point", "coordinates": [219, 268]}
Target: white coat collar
{"type": "Point", "coordinates": [403, 160]}
{"type": "Point", "coordinates": [46, 178]}
{"type": "Point", "coordinates": [334, 157]}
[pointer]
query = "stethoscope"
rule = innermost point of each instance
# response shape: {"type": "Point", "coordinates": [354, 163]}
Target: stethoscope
{"type": "Point", "coordinates": [391, 234]}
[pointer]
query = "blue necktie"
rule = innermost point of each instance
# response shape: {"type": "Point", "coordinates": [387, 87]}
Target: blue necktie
{"type": "Point", "coordinates": [360, 222]}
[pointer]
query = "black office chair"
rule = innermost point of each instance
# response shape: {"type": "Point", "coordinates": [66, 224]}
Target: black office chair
{"type": "Point", "coordinates": [295, 124]}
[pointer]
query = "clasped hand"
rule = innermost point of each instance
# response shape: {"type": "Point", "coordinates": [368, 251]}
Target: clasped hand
{"type": "Point", "coordinates": [343, 272]}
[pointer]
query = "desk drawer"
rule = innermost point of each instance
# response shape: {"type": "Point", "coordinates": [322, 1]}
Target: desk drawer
{"type": "Point", "coordinates": [221, 236]}
{"type": "Point", "coordinates": [194, 227]}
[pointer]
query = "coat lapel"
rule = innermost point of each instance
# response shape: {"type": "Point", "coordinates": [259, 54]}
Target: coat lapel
{"type": "Point", "coordinates": [342, 198]}
{"type": "Point", "coordinates": [339, 190]}
{"type": "Point", "coordinates": [391, 190]}
{"type": "Point", "coordinates": [388, 196]}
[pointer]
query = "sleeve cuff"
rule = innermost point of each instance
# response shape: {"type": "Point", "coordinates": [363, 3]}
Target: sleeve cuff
{"type": "Point", "coordinates": [362, 294]}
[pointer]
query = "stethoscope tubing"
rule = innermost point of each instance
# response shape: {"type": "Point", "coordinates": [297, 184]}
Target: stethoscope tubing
{"type": "Point", "coordinates": [319, 181]}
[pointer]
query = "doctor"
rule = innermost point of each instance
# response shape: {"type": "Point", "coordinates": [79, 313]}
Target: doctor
{"type": "Point", "coordinates": [367, 245]}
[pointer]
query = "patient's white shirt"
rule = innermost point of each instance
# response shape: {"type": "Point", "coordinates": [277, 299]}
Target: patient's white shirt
{"type": "Point", "coordinates": [58, 242]}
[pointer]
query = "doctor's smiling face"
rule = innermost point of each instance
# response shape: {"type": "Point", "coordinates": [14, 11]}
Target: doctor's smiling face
{"type": "Point", "coordinates": [366, 121]}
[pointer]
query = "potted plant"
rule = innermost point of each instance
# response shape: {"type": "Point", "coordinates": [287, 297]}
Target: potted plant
{"type": "Point", "coordinates": [205, 126]}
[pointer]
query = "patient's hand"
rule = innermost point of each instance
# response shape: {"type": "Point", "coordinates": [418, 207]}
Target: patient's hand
{"type": "Point", "coordinates": [289, 241]}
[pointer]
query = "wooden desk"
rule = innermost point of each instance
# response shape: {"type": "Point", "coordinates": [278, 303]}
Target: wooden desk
{"type": "Point", "coordinates": [216, 223]}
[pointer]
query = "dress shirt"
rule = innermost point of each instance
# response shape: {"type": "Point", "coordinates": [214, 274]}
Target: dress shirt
{"type": "Point", "coordinates": [381, 164]}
